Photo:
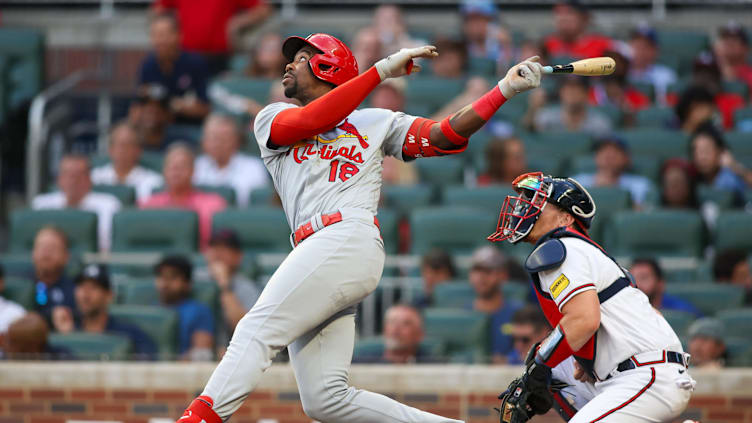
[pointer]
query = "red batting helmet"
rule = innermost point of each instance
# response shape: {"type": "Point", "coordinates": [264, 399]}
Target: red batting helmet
{"type": "Point", "coordinates": [334, 64]}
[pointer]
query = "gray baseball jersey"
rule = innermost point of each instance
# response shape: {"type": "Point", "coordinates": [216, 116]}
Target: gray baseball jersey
{"type": "Point", "coordinates": [338, 168]}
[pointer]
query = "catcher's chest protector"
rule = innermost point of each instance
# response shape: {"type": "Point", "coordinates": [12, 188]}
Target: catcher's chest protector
{"type": "Point", "coordinates": [549, 253]}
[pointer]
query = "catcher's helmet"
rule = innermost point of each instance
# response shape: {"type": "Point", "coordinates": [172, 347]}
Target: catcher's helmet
{"type": "Point", "coordinates": [334, 63]}
{"type": "Point", "coordinates": [519, 213]}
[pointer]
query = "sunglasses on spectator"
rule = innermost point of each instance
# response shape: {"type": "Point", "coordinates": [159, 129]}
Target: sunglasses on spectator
{"type": "Point", "coordinates": [522, 339]}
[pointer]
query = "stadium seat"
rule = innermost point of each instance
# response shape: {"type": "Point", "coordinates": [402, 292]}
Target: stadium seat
{"type": "Point", "coordinates": [655, 141]}
{"type": "Point", "coordinates": [709, 298]}
{"type": "Point", "coordinates": [159, 323]}
{"type": "Point", "coordinates": [155, 230]}
{"type": "Point", "coordinates": [125, 193]}
{"type": "Point", "coordinates": [17, 264]}
{"type": "Point", "coordinates": [567, 144]}
{"type": "Point", "coordinates": [453, 294]}
{"type": "Point", "coordinates": [646, 88]}
{"type": "Point", "coordinates": [737, 322]}
{"type": "Point", "coordinates": [79, 226]}
{"type": "Point", "coordinates": [655, 117]}
{"type": "Point", "coordinates": [476, 147]}
{"type": "Point", "coordinates": [262, 196]}
{"type": "Point", "coordinates": [679, 320]}
{"type": "Point", "coordinates": [440, 171]}
{"type": "Point", "coordinates": [153, 160]}
{"type": "Point", "coordinates": [389, 228]}
{"type": "Point", "coordinates": [481, 66]}
{"type": "Point", "coordinates": [608, 201]}
{"type": "Point", "coordinates": [547, 164]}
{"type": "Point", "coordinates": [433, 92]}
{"type": "Point", "coordinates": [24, 50]}
{"type": "Point", "coordinates": [657, 233]}
{"type": "Point", "coordinates": [458, 230]}
{"type": "Point", "coordinates": [227, 193]}
{"type": "Point", "coordinates": [647, 165]}
{"type": "Point", "coordinates": [516, 290]}
{"type": "Point", "coordinates": [93, 346]}
{"type": "Point", "coordinates": [465, 332]}
{"type": "Point", "coordinates": [488, 198]}
{"type": "Point", "coordinates": [732, 231]}
{"type": "Point", "coordinates": [735, 87]}
{"type": "Point", "coordinates": [683, 44]}
{"type": "Point", "coordinates": [740, 143]}
{"type": "Point", "coordinates": [261, 229]}
{"type": "Point", "coordinates": [255, 88]}
{"type": "Point", "coordinates": [371, 349]}
{"type": "Point", "coordinates": [404, 198]}
{"type": "Point", "coordinates": [743, 119]}
{"type": "Point", "coordinates": [20, 290]}
{"type": "Point", "coordinates": [738, 348]}
{"type": "Point", "coordinates": [721, 197]}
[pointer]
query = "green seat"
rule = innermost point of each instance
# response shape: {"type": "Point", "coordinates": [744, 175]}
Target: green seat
{"type": "Point", "coordinates": [440, 171]}
{"type": "Point", "coordinates": [24, 50]}
{"type": "Point", "coordinates": [709, 298]}
{"type": "Point", "coordinates": [371, 348]}
{"type": "Point", "coordinates": [740, 143]}
{"type": "Point", "coordinates": [154, 160]}
{"type": "Point", "coordinates": [741, 358]}
{"type": "Point", "coordinates": [655, 117]}
{"type": "Point", "coordinates": [155, 230]}
{"type": "Point", "coordinates": [679, 321]}
{"type": "Point", "coordinates": [477, 144]}
{"type": "Point", "coordinates": [93, 346]}
{"type": "Point", "coordinates": [737, 322]}
{"type": "Point", "coordinates": [453, 294]}
{"type": "Point", "coordinates": [227, 193]}
{"type": "Point", "coordinates": [457, 230]}
{"type": "Point", "coordinates": [723, 198]}
{"type": "Point", "coordinates": [563, 143]}
{"type": "Point", "coordinates": [656, 141]}
{"type": "Point", "coordinates": [550, 165]}
{"type": "Point", "coordinates": [125, 193]}
{"type": "Point", "coordinates": [432, 92]}
{"type": "Point", "coordinates": [79, 226]}
{"type": "Point", "coordinates": [17, 264]}
{"type": "Point", "coordinates": [658, 233]}
{"type": "Point", "coordinates": [255, 88]}
{"type": "Point", "coordinates": [464, 332]}
{"type": "Point", "coordinates": [404, 198]}
{"type": "Point", "coordinates": [261, 229]}
{"type": "Point", "coordinates": [516, 290]}
{"type": "Point", "coordinates": [683, 44]}
{"type": "Point", "coordinates": [608, 201]}
{"type": "Point", "coordinates": [389, 228]}
{"type": "Point", "coordinates": [488, 198]}
{"type": "Point", "coordinates": [737, 347]}
{"type": "Point", "coordinates": [480, 66]}
{"type": "Point", "coordinates": [159, 323]}
{"type": "Point", "coordinates": [20, 290]}
{"type": "Point", "coordinates": [743, 119]}
{"type": "Point", "coordinates": [646, 88]}
{"type": "Point", "coordinates": [735, 87]}
{"type": "Point", "coordinates": [262, 196]}
{"type": "Point", "coordinates": [732, 231]}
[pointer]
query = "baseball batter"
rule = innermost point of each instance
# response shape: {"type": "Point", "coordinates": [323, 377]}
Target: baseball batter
{"type": "Point", "coordinates": [325, 159]}
{"type": "Point", "coordinates": [622, 346]}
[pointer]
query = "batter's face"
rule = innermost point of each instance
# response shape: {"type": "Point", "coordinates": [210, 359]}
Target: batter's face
{"type": "Point", "coordinates": [298, 80]}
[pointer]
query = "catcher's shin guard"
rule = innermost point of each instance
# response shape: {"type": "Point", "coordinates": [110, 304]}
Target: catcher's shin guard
{"type": "Point", "coordinates": [200, 411]}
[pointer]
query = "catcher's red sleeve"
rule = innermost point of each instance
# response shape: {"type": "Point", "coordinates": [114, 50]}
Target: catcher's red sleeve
{"type": "Point", "coordinates": [324, 113]}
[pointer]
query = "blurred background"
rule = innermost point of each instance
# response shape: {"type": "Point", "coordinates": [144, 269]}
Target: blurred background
{"type": "Point", "coordinates": [138, 223]}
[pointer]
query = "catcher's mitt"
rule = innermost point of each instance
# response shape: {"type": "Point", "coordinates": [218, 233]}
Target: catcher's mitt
{"type": "Point", "coordinates": [519, 404]}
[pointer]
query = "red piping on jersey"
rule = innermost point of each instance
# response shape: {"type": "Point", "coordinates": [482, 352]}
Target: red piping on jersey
{"type": "Point", "coordinates": [575, 290]}
{"type": "Point", "coordinates": [566, 407]}
{"type": "Point", "coordinates": [642, 391]}
{"type": "Point", "coordinates": [323, 114]}
{"type": "Point", "coordinates": [638, 364]}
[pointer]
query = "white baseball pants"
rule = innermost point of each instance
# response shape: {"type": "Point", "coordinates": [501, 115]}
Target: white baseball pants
{"type": "Point", "coordinates": [306, 306]}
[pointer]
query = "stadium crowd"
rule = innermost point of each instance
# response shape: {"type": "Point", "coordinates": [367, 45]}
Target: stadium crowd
{"type": "Point", "coordinates": [654, 137]}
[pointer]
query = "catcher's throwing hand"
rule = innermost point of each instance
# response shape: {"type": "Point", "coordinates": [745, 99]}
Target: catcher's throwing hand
{"type": "Point", "coordinates": [521, 77]}
{"type": "Point", "coordinates": [401, 63]}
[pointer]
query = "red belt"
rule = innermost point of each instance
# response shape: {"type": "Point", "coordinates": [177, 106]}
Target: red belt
{"type": "Point", "coordinates": [306, 230]}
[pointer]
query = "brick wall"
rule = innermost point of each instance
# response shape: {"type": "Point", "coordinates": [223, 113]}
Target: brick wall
{"type": "Point", "coordinates": [133, 393]}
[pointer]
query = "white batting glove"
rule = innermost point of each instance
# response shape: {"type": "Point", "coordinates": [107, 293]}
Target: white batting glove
{"type": "Point", "coordinates": [401, 63]}
{"type": "Point", "coordinates": [521, 77]}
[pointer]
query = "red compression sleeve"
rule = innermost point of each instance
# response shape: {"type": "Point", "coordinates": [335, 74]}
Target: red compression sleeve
{"type": "Point", "coordinates": [322, 114]}
{"type": "Point", "coordinates": [487, 105]}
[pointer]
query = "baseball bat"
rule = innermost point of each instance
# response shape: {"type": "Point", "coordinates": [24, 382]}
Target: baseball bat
{"type": "Point", "coordinates": [596, 66]}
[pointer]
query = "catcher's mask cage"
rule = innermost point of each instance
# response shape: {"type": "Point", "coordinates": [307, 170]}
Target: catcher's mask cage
{"type": "Point", "coordinates": [520, 213]}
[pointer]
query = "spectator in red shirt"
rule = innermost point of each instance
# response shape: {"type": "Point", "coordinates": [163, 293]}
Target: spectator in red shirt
{"type": "Point", "coordinates": [213, 27]}
{"type": "Point", "coordinates": [571, 20]}
{"type": "Point", "coordinates": [732, 51]}
{"type": "Point", "coordinates": [614, 90]}
{"type": "Point", "coordinates": [179, 192]}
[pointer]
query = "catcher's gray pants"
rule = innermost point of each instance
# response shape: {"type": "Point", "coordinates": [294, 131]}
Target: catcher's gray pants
{"type": "Point", "coordinates": [305, 305]}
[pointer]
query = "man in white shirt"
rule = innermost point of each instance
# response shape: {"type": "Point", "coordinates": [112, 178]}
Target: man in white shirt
{"type": "Point", "coordinates": [222, 164]}
{"type": "Point", "coordinates": [643, 43]}
{"type": "Point", "coordinates": [9, 310]}
{"type": "Point", "coordinates": [123, 169]}
{"type": "Point", "coordinates": [74, 182]}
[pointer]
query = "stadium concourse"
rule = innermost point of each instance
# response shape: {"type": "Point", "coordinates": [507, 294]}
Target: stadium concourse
{"type": "Point", "coordinates": [140, 224]}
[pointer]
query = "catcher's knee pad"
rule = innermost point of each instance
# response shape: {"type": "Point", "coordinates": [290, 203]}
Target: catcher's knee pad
{"type": "Point", "coordinates": [200, 411]}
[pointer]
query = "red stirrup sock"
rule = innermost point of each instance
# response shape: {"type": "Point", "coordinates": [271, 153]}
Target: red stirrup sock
{"type": "Point", "coordinates": [199, 411]}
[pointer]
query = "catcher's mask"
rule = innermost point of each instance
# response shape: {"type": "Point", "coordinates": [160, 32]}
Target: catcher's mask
{"type": "Point", "coordinates": [519, 213]}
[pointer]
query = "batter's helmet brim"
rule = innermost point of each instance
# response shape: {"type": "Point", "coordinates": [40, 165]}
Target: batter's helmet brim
{"type": "Point", "coordinates": [293, 44]}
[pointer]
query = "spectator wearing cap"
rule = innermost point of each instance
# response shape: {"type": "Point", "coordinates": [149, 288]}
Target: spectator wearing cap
{"type": "Point", "coordinates": [436, 267]}
{"type": "Point", "coordinates": [649, 278]}
{"type": "Point", "coordinates": [505, 160]}
{"type": "Point", "coordinates": [93, 298]}
{"type": "Point", "coordinates": [53, 290]}
{"type": "Point", "coordinates": [237, 293]}
{"type": "Point", "coordinates": [484, 37]}
{"type": "Point", "coordinates": [573, 113]}
{"type": "Point", "coordinates": [529, 326]}
{"type": "Point", "coordinates": [222, 164]}
{"type": "Point", "coordinates": [488, 273]}
{"type": "Point", "coordinates": [707, 147]}
{"type": "Point", "coordinates": [694, 107]}
{"type": "Point", "coordinates": [150, 116]}
{"type": "Point", "coordinates": [173, 279]}
{"type": "Point", "coordinates": [570, 37]}
{"type": "Point", "coordinates": [10, 311]}
{"type": "Point", "coordinates": [123, 169]}
{"type": "Point", "coordinates": [180, 193]}
{"type": "Point", "coordinates": [732, 50]}
{"type": "Point", "coordinates": [733, 266]}
{"type": "Point", "coordinates": [612, 161]}
{"type": "Point", "coordinates": [213, 28]}
{"type": "Point", "coordinates": [643, 43]}
{"type": "Point", "coordinates": [26, 339]}
{"type": "Point", "coordinates": [707, 344]}
{"type": "Point", "coordinates": [184, 75]}
{"type": "Point", "coordinates": [74, 181]}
